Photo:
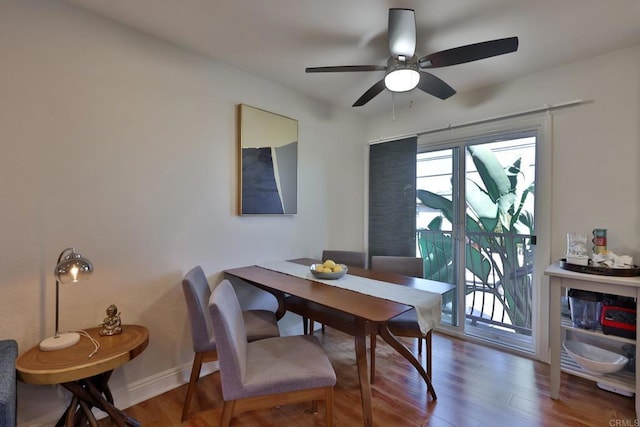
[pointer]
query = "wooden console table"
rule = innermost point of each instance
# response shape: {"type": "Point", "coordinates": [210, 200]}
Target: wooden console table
{"type": "Point", "coordinates": [87, 378]}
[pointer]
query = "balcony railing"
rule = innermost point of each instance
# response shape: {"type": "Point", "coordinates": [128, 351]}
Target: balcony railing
{"type": "Point", "coordinates": [498, 276]}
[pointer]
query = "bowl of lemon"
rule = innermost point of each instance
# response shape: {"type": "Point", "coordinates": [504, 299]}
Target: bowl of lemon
{"type": "Point", "coordinates": [328, 270]}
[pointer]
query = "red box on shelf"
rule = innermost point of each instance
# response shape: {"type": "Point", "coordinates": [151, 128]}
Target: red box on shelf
{"type": "Point", "coordinates": [619, 321]}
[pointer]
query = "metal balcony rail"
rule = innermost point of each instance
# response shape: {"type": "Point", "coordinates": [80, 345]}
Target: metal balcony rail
{"type": "Point", "coordinates": [498, 276]}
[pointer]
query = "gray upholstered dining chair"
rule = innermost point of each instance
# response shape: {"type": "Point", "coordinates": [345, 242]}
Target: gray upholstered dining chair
{"type": "Point", "coordinates": [269, 372]}
{"type": "Point", "coordinates": [350, 259]}
{"type": "Point", "coordinates": [405, 324]}
{"type": "Point", "coordinates": [260, 324]}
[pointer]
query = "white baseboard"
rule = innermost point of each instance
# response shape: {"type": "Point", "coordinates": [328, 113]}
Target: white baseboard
{"type": "Point", "coordinates": [157, 384]}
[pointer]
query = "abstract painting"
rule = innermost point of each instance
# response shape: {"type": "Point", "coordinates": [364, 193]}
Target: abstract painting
{"type": "Point", "coordinates": [268, 156]}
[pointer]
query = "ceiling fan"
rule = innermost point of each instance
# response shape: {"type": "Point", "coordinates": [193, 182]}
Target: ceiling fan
{"type": "Point", "coordinates": [404, 71]}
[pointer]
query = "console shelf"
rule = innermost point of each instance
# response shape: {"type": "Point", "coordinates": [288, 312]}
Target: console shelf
{"type": "Point", "coordinates": [623, 380]}
{"type": "Point", "coordinates": [568, 325]}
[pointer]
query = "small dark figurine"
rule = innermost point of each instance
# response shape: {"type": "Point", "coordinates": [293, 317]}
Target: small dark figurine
{"type": "Point", "coordinates": [111, 324]}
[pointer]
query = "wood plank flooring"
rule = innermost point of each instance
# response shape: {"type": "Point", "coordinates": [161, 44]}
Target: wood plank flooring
{"type": "Point", "coordinates": [476, 386]}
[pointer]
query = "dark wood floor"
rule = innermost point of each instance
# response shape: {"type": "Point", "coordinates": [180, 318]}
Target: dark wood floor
{"type": "Point", "coordinates": [476, 386]}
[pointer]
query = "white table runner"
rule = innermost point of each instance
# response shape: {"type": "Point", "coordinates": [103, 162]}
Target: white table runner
{"type": "Point", "coordinates": [428, 305]}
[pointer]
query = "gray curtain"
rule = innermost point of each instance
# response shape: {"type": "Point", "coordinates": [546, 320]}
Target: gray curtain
{"type": "Point", "coordinates": [392, 198]}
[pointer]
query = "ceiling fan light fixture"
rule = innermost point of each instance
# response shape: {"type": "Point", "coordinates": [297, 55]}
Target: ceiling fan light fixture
{"type": "Point", "coordinates": [401, 79]}
{"type": "Point", "coordinates": [404, 71]}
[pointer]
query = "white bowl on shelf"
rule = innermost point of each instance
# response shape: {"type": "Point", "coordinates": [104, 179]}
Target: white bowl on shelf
{"type": "Point", "coordinates": [594, 360]}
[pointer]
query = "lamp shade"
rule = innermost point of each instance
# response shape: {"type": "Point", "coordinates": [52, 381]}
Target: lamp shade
{"type": "Point", "coordinates": [72, 268]}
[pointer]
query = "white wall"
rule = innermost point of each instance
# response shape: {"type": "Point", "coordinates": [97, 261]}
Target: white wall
{"type": "Point", "coordinates": [124, 147]}
{"type": "Point", "coordinates": [596, 147]}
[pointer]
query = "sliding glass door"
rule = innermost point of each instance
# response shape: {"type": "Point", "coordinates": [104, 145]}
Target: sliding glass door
{"type": "Point", "coordinates": [475, 216]}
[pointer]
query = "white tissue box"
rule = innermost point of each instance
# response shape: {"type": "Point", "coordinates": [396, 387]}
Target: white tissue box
{"type": "Point", "coordinates": [578, 260]}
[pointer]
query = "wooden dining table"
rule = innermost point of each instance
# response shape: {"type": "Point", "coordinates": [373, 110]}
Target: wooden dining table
{"type": "Point", "coordinates": [351, 312]}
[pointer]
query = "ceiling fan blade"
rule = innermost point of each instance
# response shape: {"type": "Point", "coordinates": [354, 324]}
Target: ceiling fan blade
{"type": "Point", "coordinates": [345, 68]}
{"type": "Point", "coordinates": [402, 33]}
{"type": "Point", "coordinates": [369, 94]}
{"type": "Point", "coordinates": [435, 86]}
{"type": "Point", "coordinates": [468, 53]}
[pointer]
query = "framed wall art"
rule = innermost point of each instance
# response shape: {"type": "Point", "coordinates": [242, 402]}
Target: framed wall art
{"type": "Point", "coordinates": [268, 157]}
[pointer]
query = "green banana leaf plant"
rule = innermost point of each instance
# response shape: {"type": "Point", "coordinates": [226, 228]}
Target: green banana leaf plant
{"type": "Point", "coordinates": [497, 251]}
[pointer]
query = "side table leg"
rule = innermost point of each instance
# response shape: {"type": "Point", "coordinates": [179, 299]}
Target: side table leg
{"type": "Point", "coordinates": [88, 414]}
{"type": "Point", "coordinates": [102, 384]}
{"type": "Point", "coordinates": [117, 416]}
{"type": "Point", "coordinates": [62, 420]}
{"type": "Point", "coordinates": [86, 391]}
{"type": "Point", "coordinates": [114, 414]}
{"type": "Point", "coordinates": [71, 412]}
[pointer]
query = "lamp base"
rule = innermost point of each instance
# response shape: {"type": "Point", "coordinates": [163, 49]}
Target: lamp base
{"type": "Point", "coordinates": [61, 341]}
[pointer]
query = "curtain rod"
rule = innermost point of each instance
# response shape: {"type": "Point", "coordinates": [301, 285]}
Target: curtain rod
{"type": "Point", "coordinates": [552, 107]}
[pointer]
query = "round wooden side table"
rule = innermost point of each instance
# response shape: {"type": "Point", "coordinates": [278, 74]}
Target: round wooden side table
{"type": "Point", "coordinates": [85, 377]}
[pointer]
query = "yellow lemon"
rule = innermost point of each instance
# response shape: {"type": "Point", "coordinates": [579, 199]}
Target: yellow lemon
{"type": "Point", "coordinates": [337, 268]}
{"type": "Point", "coordinates": [329, 263]}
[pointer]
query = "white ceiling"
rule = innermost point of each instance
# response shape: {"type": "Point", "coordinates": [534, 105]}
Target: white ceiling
{"type": "Point", "coordinates": [277, 39]}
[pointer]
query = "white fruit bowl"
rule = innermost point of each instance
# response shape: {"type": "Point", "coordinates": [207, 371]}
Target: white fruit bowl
{"type": "Point", "coordinates": [594, 360]}
{"type": "Point", "coordinates": [328, 276]}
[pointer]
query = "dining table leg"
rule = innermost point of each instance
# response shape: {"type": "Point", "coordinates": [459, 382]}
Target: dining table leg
{"type": "Point", "coordinates": [363, 374]}
{"type": "Point", "coordinates": [372, 357]}
{"type": "Point", "coordinates": [386, 335]}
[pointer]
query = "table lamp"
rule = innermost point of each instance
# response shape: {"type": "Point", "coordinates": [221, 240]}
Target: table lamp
{"type": "Point", "coordinates": [70, 268]}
